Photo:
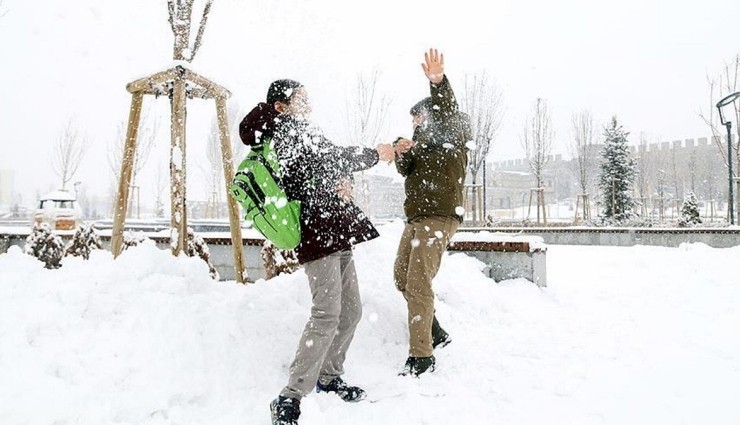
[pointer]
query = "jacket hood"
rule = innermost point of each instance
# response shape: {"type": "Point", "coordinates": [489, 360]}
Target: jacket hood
{"type": "Point", "coordinates": [260, 120]}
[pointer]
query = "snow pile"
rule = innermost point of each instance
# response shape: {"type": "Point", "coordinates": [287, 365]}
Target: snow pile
{"type": "Point", "coordinates": [640, 335]}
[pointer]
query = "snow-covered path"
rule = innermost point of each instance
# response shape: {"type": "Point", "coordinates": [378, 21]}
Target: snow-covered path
{"type": "Point", "coordinates": [639, 335]}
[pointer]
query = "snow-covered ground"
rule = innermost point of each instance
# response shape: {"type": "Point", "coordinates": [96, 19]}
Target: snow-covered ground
{"type": "Point", "coordinates": [638, 335]}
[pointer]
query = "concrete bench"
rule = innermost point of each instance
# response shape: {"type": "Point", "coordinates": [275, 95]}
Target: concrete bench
{"type": "Point", "coordinates": [505, 256]}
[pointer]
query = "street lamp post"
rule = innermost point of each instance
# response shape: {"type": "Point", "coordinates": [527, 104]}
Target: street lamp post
{"type": "Point", "coordinates": [728, 124]}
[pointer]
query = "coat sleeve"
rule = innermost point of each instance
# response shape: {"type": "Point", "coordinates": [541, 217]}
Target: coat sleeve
{"type": "Point", "coordinates": [356, 158]}
{"type": "Point", "coordinates": [405, 162]}
{"type": "Point", "coordinates": [444, 104]}
{"type": "Point", "coordinates": [452, 126]}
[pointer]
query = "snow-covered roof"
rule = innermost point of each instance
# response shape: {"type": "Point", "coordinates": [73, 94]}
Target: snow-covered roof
{"type": "Point", "coordinates": [59, 195]}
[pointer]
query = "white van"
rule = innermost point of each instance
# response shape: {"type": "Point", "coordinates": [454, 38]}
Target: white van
{"type": "Point", "coordinates": [59, 209]}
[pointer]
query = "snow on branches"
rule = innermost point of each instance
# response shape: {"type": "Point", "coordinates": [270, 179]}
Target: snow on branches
{"type": "Point", "coordinates": [45, 246]}
{"type": "Point", "coordinates": [83, 242]}
{"type": "Point", "coordinates": [278, 261]}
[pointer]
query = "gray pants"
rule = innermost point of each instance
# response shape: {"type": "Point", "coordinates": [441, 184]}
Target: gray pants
{"type": "Point", "coordinates": [336, 311]}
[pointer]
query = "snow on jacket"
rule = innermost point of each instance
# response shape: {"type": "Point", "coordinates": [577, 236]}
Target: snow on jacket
{"type": "Point", "coordinates": [311, 168]}
{"type": "Point", "coordinates": [435, 166]}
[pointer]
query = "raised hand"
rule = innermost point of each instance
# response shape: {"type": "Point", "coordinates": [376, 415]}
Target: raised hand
{"type": "Point", "coordinates": [434, 66]}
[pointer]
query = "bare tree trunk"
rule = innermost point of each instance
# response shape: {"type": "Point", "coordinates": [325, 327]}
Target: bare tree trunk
{"type": "Point", "coordinates": [536, 139]}
{"type": "Point", "coordinates": [582, 147]}
{"type": "Point", "coordinates": [482, 101]}
{"type": "Point", "coordinates": [180, 17]}
{"type": "Point", "coordinates": [68, 153]}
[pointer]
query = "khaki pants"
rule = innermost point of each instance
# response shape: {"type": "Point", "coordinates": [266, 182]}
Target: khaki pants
{"type": "Point", "coordinates": [420, 251]}
{"type": "Point", "coordinates": [336, 311]}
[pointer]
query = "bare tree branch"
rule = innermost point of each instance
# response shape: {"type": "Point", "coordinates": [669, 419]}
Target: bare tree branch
{"type": "Point", "coordinates": [145, 141]}
{"type": "Point", "coordinates": [213, 172]}
{"type": "Point", "coordinates": [726, 82]}
{"type": "Point", "coordinates": [367, 114]}
{"type": "Point", "coordinates": [68, 153]}
{"type": "Point", "coordinates": [172, 13]}
{"type": "Point", "coordinates": [483, 102]}
{"type": "Point", "coordinates": [583, 148]}
{"type": "Point", "coordinates": [537, 139]}
{"type": "Point", "coordinates": [645, 167]}
{"type": "Point", "coordinates": [201, 29]}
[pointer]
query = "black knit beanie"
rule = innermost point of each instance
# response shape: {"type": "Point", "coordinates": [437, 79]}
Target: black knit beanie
{"type": "Point", "coordinates": [281, 91]}
{"type": "Point", "coordinates": [422, 105]}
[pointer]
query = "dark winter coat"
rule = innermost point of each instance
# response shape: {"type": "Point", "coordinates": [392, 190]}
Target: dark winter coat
{"type": "Point", "coordinates": [435, 166]}
{"type": "Point", "coordinates": [311, 167]}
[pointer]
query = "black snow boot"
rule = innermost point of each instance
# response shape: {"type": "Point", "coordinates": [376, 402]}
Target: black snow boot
{"type": "Point", "coordinates": [285, 411]}
{"type": "Point", "coordinates": [415, 366]}
{"type": "Point", "coordinates": [345, 392]}
{"type": "Point", "coordinates": [440, 338]}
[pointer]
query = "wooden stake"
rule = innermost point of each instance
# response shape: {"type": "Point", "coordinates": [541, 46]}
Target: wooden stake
{"type": "Point", "coordinates": [129, 151]}
{"type": "Point", "coordinates": [178, 222]}
{"type": "Point", "coordinates": [234, 220]}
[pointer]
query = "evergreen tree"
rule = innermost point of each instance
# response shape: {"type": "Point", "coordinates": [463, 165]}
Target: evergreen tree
{"type": "Point", "coordinates": [83, 242]}
{"type": "Point", "coordinates": [690, 211]}
{"type": "Point", "coordinates": [617, 173]}
{"type": "Point", "coordinates": [45, 245]}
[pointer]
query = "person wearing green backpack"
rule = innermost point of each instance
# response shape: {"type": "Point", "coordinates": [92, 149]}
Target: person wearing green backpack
{"type": "Point", "coordinates": [318, 174]}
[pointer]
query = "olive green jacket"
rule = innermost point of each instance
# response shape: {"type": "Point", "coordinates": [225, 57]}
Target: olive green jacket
{"type": "Point", "coordinates": [435, 166]}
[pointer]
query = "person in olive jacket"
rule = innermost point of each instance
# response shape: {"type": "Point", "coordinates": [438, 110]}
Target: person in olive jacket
{"type": "Point", "coordinates": [318, 173]}
{"type": "Point", "coordinates": [434, 164]}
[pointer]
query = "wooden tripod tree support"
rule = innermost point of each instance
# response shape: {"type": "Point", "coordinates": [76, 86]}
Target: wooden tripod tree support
{"type": "Point", "coordinates": [539, 194]}
{"type": "Point", "coordinates": [178, 83]}
{"type": "Point", "coordinates": [582, 201]}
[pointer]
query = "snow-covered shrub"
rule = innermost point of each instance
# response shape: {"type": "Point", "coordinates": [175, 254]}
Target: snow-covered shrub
{"type": "Point", "coordinates": [196, 247]}
{"type": "Point", "coordinates": [278, 261]}
{"type": "Point", "coordinates": [45, 246]}
{"type": "Point", "coordinates": [132, 239]}
{"type": "Point", "coordinates": [83, 242]}
{"type": "Point", "coordinates": [689, 212]}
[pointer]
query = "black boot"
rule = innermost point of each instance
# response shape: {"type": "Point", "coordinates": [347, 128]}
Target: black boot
{"type": "Point", "coordinates": [415, 366]}
{"type": "Point", "coordinates": [344, 391]}
{"type": "Point", "coordinates": [440, 338]}
{"type": "Point", "coordinates": [285, 411]}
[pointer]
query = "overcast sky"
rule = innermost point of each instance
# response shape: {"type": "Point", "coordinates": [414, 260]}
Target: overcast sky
{"type": "Point", "coordinates": [645, 61]}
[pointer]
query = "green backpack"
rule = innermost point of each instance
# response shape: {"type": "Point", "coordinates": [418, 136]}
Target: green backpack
{"type": "Point", "coordinates": [257, 188]}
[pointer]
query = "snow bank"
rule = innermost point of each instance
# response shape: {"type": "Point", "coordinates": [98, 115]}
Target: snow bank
{"type": "Point", "coordinates": [639, 335]}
